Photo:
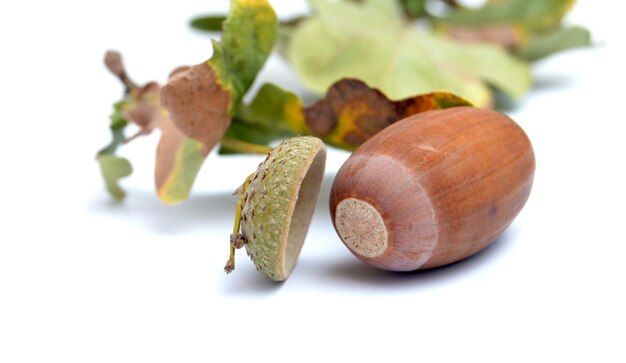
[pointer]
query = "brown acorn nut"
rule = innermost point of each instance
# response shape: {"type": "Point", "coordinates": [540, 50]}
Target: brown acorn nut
{"type": "Point", "coordinates": [433, 188]}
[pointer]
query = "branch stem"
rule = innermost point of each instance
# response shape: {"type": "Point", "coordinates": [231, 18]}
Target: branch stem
{"type": "Point", "coordinates": [244, 147]}
{"type": "Point", "coordinates": [230, 264]}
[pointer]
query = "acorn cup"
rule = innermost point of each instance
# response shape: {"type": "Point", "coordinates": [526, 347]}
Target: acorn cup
{"type": "Point", "coordinates": [276, 206]}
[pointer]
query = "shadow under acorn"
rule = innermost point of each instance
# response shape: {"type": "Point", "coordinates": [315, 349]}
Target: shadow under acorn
{"type": "Point", "coordinates": [339, 268]}
{"type": "Point", "coordinates": [349, 271]}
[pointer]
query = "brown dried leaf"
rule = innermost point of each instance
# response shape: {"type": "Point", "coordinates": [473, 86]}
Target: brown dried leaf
{"type": "Point", "coordinates": [197, 104]}
{"type": "Point", "coordinates": [352, 112]}
{"type": "Point", "coordinates": [353, 99]}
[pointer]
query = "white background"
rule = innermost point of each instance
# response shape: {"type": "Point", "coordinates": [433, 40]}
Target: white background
{"type": "Point", "coordinates": [85, 279]}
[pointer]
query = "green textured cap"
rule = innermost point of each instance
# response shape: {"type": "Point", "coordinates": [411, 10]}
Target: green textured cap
{"type": "Point", "coordinates": [279, 204]}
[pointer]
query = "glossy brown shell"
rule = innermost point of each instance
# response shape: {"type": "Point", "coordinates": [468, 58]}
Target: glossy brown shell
{"type": "Point", "coordinates": [446, 183]}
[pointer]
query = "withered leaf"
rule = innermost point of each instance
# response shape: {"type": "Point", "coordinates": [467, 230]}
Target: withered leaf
{"type": "Point", "coordinates": [352, 112]}
{"type": "Point", "coordinates": [200, 99]}
{"type": "Point", "coordinates": [178, 156]}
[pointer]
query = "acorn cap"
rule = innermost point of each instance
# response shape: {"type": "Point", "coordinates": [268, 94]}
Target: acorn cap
{"type": "Point", "coordinates": [279, 204]}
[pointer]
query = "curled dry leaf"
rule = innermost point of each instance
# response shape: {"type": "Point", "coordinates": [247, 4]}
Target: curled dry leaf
{"type": "Point", "coordinates": [200, 99]}
{"type": "Point", "coordinates": [177, 155]}
{"type": "Point", "coordinates": [198, 110]}
{"type": "Point", "coordinates": [188, 133]}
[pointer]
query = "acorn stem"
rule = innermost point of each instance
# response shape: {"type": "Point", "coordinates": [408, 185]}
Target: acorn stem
{"type": "Point", "coordinates": [236, 236]}
{"type": "Point", "coordinates": [244, 147]}
{"type": "Point", "coordinates": [238, 215]}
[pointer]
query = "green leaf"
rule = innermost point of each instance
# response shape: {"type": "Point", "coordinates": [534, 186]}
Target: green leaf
{"type": "Point", "coordinates": [114, 168]}
{"type": "Point", "coordinates": [248, 38]}
{"type": "Point", "coordinates": [209, 23]}
{"type": "Point", "coordinates": [273, 114]}
{"type": "Point", "coordinates": [118, 124]}
{"type": "Point", "coordinates": [542, 45]}
{"type": "Point", "coordinates": [414, 8]}
{"type": "Point", "coordinates": [535, 15]}
{"type": "Point", "coordinates": [361, 41]}
{"type": "Point", "coordinates": [276, 109]}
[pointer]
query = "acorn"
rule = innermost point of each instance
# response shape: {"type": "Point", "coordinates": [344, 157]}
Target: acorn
{"type": "Point", "coordinates": [277, 204]}
{"type": "Point", "coordinates": [433, 188]}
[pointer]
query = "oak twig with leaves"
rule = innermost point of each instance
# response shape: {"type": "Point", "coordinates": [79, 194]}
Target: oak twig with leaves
{"type": "Point", "coordinates": [201, 106]}
{"type": "Point", "coordinates": [467, 53]}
